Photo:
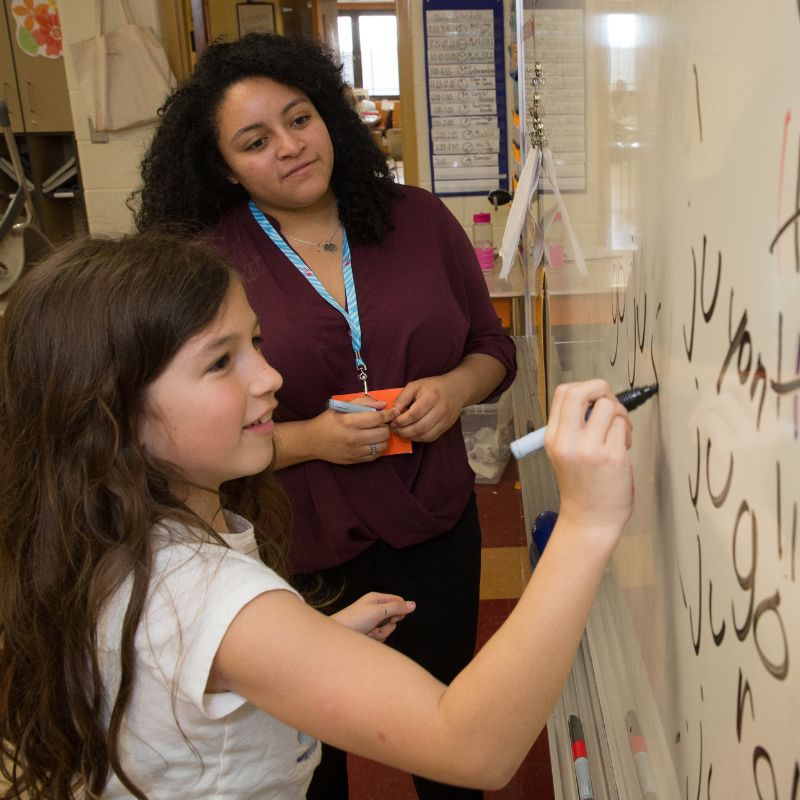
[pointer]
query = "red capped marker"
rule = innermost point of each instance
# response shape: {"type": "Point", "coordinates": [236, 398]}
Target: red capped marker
{"type": "Point", "coordinates": [580, 759]}
{"type": "Point", "coordinates": [641, 758]}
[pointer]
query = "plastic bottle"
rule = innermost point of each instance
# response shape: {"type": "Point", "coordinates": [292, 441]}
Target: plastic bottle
{"type": "Point", "coordinates": [482, 240]}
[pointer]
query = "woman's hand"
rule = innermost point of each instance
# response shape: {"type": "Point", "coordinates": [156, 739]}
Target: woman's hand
{"type": "Point", "coordinates": [590, 457]}
{"type": "Point", "coordinates": [428, 407]}
{"type": "Point", "coordinates": [375, 614]}
{"type": "Point", "coordinates": [352, 438]}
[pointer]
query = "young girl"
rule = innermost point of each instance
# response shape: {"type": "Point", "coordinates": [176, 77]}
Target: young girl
{"type": "Point", "coordinates": [149, 646]}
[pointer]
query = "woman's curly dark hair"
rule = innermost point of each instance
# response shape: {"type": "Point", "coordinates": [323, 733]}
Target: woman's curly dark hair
{"type": "Point", "coordinates": [185, 186]}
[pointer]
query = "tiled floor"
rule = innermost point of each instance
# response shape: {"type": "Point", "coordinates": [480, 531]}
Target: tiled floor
{"type": "Point", "coordinates": [504, 573]}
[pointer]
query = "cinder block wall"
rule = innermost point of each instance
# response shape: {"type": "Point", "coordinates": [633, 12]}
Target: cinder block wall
{"type": "Point", "coordinates": [110, 171]}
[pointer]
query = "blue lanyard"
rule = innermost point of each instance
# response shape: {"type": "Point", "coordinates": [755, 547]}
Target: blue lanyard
{"type": "Point", "coordinates": [351, 314]}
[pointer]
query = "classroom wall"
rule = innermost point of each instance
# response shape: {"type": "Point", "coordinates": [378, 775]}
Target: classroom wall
{"type": "Point", "coordinates": [110, 170]}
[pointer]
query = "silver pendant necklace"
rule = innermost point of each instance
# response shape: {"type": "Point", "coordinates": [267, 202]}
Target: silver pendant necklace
{"type": "Point", "coordinates": [328, 245]}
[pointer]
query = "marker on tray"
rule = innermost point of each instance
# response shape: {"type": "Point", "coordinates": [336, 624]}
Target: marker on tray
{"type": "Point", "coordinates": [348, 408]}
{"type": "Point", "coordinates": [641, 757]}
{"type": "Point", "coordinates": [531, 442]}
{"type": "Point", "coordinates": [540, 534]}
{"type": "Point", "coordinates": [580, 759]}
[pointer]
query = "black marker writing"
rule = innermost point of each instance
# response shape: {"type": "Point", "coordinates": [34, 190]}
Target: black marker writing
{"type": "Point", "coordinates": [787, 387]}
{"type": "Point", "coordinates": [779, 523]}
{"type": "Point", "coordinates": [746, 582]}
{"type": "Point", "coordinates": [741, 344]}
{"type": "Point", "coordinates": [793, 220]}
{"type": "Point", "coordinates": [689, 346]}
{"type": "Point", "coordinates": [717, 635]}
{"type": "Point", "coordinates": [617, 310]}
{"type": "Point", "coordinates": [708, 313]}
{"type": "Point", "coordinates": [719, 498]}
{"type": "Point", "coordinates": [639, 330]}
{"type": "Point", "coordinates": [638, 337]}
{"type": "Point", "coordinates": [695, 493]}
{"type": "Point", "coordinates": [696, 639]}
{"type": "Point", "coordinates": [697, 100]}
{"type": "Point", "coordinates": [744, 692]}
{"type": "Point", "coordinates": [779, 669]}
{"type": "Point", "coordinates": [652, 356]}
{"type": "Point", "coordinates": [760, 754]}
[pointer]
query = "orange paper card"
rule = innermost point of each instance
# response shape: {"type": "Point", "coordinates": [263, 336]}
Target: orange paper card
{"type": "Point", "coordinates": [397, 444]}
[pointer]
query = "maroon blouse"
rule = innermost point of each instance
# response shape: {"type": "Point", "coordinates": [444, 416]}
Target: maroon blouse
{"type": "Point", "coordinates": [423, 305]}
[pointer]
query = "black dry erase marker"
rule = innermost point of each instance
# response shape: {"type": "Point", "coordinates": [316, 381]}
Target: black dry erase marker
{"type": "Point", "coordinates": [633, 398]}
{"type": "Point", "coordinates": [630, 398]}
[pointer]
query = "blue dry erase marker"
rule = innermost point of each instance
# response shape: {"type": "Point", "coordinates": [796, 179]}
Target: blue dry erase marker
{"type": "Point", "coordinates": [348, 408]}
{"type": "Point", "coordinates": [580, 759]}
{"type": "Point", "coordinates": [542, 528]}
{"type": "Point", "coordinates": [531, 442]}
{"type": "Point", "coordinates": [540, 534]}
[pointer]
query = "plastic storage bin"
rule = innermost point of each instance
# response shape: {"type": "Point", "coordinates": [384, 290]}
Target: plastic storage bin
{"type": "Point", "coordinates": [488, 431]}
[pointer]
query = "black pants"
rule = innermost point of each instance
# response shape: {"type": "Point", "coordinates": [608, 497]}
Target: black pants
{"type": "Point", "coordinates": [442, 576]}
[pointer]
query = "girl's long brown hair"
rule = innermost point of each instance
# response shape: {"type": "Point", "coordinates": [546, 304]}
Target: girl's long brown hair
{"type": "Point", "coordinates": [82, 337]}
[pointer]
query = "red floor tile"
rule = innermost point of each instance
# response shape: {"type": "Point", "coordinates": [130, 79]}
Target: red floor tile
{"type": "Point", "coordinates": [491, 615]}
{"type": "Point", "coordinates": [533, 781]}
{"type": "Point", "coordinates": [371, 781]}
{"type": "Point", "coordinates": [500, 510]}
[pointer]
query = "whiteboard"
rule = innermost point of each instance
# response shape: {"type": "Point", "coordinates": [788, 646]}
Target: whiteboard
{"type": "Point", "coordinates": [689, 225]}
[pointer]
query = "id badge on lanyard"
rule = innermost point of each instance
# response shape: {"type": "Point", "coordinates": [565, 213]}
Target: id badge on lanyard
{"type": "Point", "coordinates": [351, 313]}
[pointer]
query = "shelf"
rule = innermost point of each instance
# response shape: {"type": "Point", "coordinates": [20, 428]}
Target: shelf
{"type": "Point", "coordinates": [50, 163]}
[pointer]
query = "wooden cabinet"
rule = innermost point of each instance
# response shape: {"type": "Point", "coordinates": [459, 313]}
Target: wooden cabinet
{"type": "Point", "coordinates": [43, 95]}
{"type": "Point", "coordinates": [8, 77]}
{"type": "Point", "coordinates": [41, 103]}
{"type": "Point", "coordinates": [35, 89]}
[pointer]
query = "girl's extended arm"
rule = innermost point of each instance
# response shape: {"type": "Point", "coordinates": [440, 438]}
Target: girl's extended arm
{"type": "Point", "coordinates": [364, 697]}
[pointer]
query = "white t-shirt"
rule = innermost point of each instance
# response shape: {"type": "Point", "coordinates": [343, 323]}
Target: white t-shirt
{"type": "Point", "coordinates": [234, 750]}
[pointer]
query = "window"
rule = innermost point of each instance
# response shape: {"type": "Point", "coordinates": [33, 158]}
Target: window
{"type": "Point", "coordinates": [368, 45]}
{"type": "Point", "coordinates": [624, 36]}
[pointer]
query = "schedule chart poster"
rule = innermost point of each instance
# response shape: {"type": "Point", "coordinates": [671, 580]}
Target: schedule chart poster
{"type": "Point", "coordinates": [466, 95]}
